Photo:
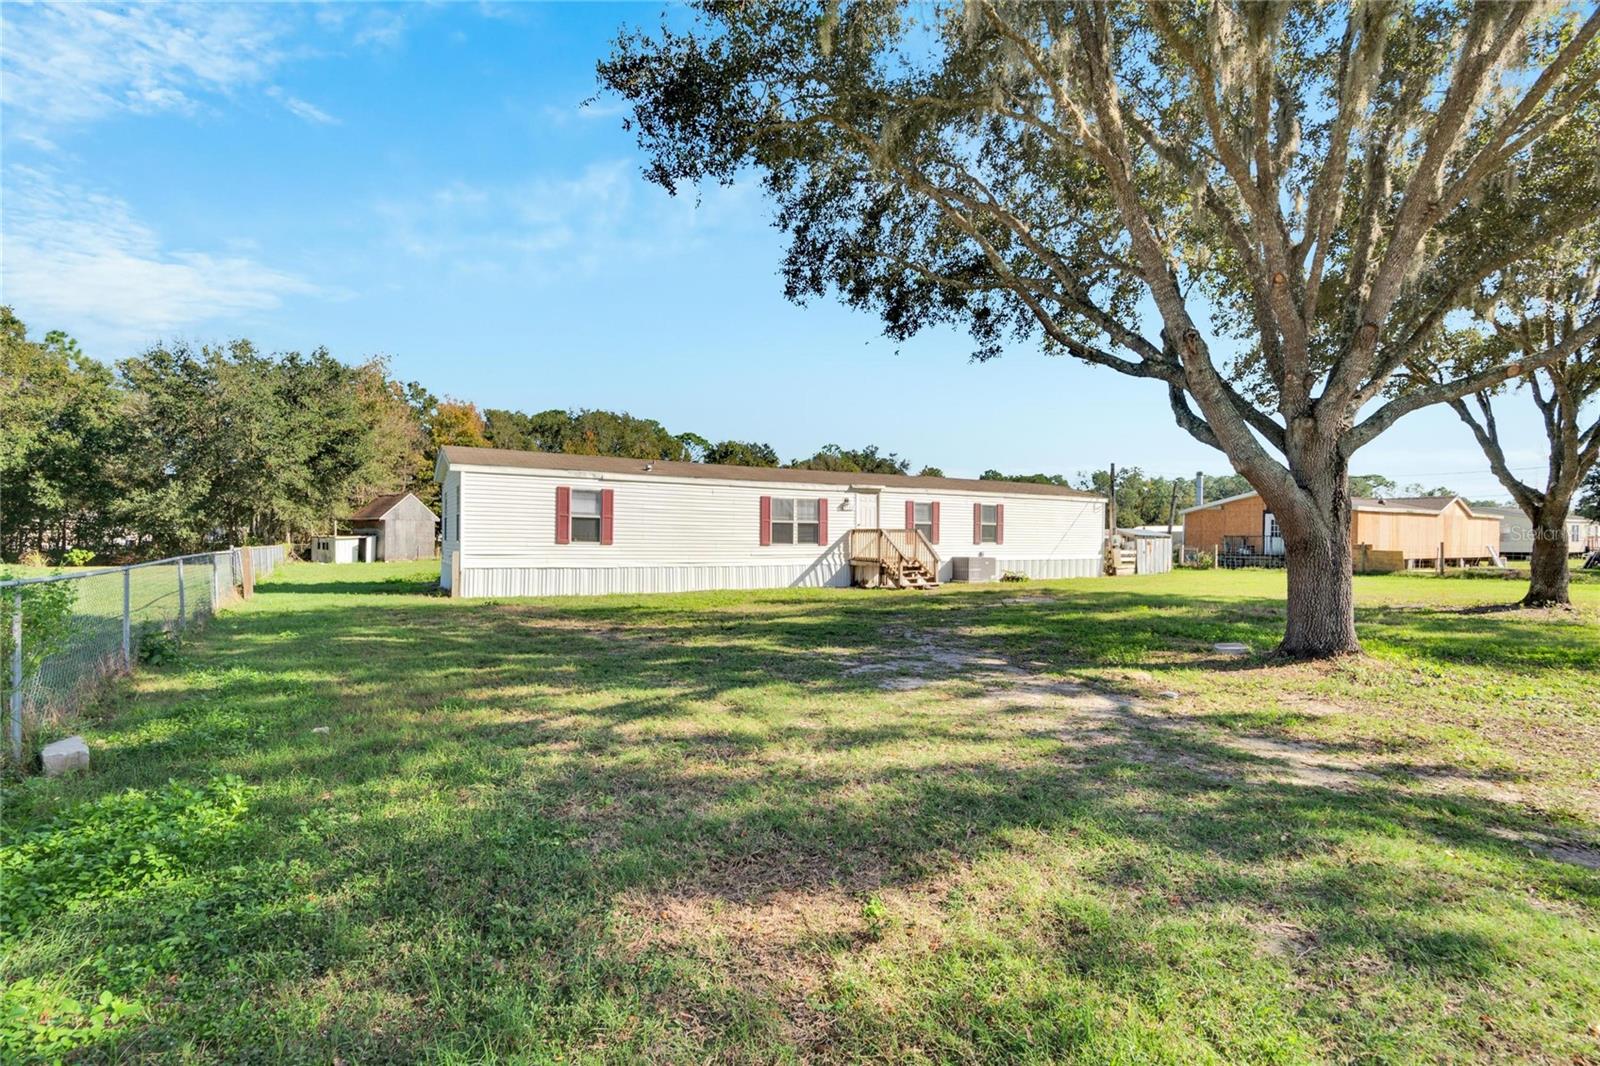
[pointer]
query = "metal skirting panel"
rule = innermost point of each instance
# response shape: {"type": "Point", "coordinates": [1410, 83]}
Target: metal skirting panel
{"type": "Point", "coordinates": [1044, 569]}
{"type": "Point", "coordinates": [604, 580]}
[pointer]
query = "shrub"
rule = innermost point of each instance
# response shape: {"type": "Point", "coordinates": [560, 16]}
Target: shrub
{"type": "Point", "coordinates": [1200, 561]}
{"type": "Point", "coordinates": [1013, 575]}
{"type": "Point", "coordinates": [77, 557]}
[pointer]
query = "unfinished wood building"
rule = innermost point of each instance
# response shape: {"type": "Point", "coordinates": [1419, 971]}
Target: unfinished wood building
{"type": "Point", "coordinates": [1241, 528]}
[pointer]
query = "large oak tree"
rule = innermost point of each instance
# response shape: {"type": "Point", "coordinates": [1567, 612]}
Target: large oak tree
{"type": "Point", "coordinates": [1244, 203]}
{"type": "Point", "coordinates": [1527, 308]}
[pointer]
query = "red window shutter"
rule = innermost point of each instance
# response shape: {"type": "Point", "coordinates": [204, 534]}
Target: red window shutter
{"type": "Point", "coordinates": [999, 523]}
{"type": "Point", "coordinates": [563, 514]}
{"type": "Point", "coordinates": [766, 520]}
{"type": "Point", "coordinates": [822, 520]}
{"type": "Point", "coordinates": [607, 500]}
{"type": "Point", "coordinates": [911, 514]}
{"type": "Point", "coordinates": [977, 523]}
{"type": "Point", "coordinates": [934, 507]}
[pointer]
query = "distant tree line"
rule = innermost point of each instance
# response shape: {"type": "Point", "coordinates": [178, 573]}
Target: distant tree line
{"type": "Point", "coordinates": [181, 449]}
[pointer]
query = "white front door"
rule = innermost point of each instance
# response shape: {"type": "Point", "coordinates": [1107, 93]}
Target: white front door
{"type": "Point", "coordinates": [1271, 535]}
{"type": "Point", "coordinates": [866, 507]}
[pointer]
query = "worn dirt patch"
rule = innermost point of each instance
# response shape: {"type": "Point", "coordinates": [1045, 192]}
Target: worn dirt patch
{"type": "Point", "coordinates": [1575, 852]}
{"type": "Point", "coordinates": [923, 659]}
{"type": "Point", "coordinates": [779, 947]}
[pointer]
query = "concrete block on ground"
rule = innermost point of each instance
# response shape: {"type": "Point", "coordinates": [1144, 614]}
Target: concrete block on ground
{"type": "Point", "coordinates": [1231, 648]}
{"type": "Point", "coordinates": [64, 756]}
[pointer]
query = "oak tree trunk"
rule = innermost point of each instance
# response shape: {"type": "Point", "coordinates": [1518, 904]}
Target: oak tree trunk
{"type": "Point", "coordinates": [1315, 522]}
{"type": "Point", "coordinates": [1547, 561]}
{"type": "Point", "coordinates": [1321, 610]}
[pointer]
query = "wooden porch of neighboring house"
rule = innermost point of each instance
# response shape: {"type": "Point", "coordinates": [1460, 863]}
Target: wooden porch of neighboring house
{"type": "Point", "coordinates": [892, 558]}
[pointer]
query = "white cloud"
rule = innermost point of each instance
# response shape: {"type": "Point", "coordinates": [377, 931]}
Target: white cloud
{"type": "Point", "coordinates": [584, 110]}
{"type": "Point", "coordinates": [382, 28]}
{"type": "Point", "coordinates": [543, 228]}
{"type": "Point", "coordinates": [77, 259]}
{"type": "Point", "coordinates": [73, 63]}
{"type": "Point", "coordinates": [66, 65]}
{"type": "Point", "coordinates": [552, 226]}
{"type": "Point", "coordinates": [302, 108]}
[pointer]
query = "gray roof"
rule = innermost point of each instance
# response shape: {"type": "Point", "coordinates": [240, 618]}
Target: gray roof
{"type": "Point", "coordinates": [458, 455]}
{"type": "Point", "coordinates": [1433, 504]}
{"type": "Point", "coordinates": [379, 507]}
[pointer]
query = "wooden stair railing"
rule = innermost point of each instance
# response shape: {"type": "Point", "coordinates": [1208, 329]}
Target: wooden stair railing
{"type": "Point", "coordinates": [900, 558]}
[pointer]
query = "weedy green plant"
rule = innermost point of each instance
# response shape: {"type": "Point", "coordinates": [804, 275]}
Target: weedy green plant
{"type": "Point", "coordinates": [1013, 575]}
{"type": "Point", "coordinates": [47, 625]}
{"type": "Point", "coordinates": [41, 1024]}
{"type": "Point", "coordinates": [158, 646]}
{"type": "Point", "coordinates": [77, 557]}
{"type": "Point", "coordinates": [875, 913]}
{"type": "Point", "coordinates": [112, 846]}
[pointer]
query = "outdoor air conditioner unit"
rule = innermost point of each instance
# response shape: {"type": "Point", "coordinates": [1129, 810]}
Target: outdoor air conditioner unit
{"type": "Point", "coordinates": [974, 568]}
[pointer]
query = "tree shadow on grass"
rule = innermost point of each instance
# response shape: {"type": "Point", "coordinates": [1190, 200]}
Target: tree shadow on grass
{"type": "Point", "coordinates": [504, 794]}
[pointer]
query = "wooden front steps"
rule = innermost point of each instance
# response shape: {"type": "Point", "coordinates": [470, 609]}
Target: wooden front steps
{"type": "Point", "coordinates": [892, 558]}
{"type": "Point", "coordinates": [914, 575]}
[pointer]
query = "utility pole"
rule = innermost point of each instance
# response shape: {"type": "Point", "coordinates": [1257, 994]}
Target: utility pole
{"type": "Point", "coordinates": [1111, 527]}
{"type": "Point", "coordinates": [1112, 512]}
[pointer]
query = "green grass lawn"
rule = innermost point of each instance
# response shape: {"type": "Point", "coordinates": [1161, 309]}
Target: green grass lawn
{"type": "Point", "coordinates": [1037, 822]}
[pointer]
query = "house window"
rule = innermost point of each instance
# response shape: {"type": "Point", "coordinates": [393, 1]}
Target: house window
{"type": "Point", "coordinates": [794, 521]}
{"type": "Point", "coordinates": [454, 513]}
{"type": "Point", "coordinates": [586, 516]}
{"type": "Point", "coordinates": [989, 524]}
{"type": "Point", "coordinates": [1574, 531]}
{"type": "Point", "coordinates": [922, 514]}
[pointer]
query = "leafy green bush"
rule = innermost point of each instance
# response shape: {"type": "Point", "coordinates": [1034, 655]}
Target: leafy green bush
{"type": "Point", "coordinates": [1013, 575]}
{"type": "Point", "coordinates": [1200, 561]}
{"type": "Point", "coordinates": [41, 1024]}
{"type": "Point", "coordinates": [46, 625]}
{"type": "Point", "coordinates": [111, 846]}
{"type": "Point", "coordinates": [77, 557]}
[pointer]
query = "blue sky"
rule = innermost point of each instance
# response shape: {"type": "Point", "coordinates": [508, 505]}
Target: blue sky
{"type": "Point", "coordinates": [422, 181]}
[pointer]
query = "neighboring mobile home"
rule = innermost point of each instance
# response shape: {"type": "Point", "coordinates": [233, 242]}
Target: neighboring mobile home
{"type": "Point", "coordinates": [1516, 532]}
{"type": "Point", "coordinates": [1241, 528]}
{"type": "Point", "coordinates": [537, 524]}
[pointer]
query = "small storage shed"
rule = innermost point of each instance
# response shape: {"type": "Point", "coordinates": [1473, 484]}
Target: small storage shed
{"type": "Point", "coordinates": [344, 549]}
{"type": "Point", "coordinates": [404, 526]}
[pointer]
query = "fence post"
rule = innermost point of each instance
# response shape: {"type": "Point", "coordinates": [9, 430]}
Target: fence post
{"type": "Point", "coordinates": [127, 619]}
{"type": "Point", "coordinates": [183, 602]}
{"type": "Point", "coordinates": [216, 583]}
{"type": "Point", "coordinates": [16, 677]}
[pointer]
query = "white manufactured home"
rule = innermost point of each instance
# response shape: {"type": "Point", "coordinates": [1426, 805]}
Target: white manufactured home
{"type": "Point", "coordinates": [538, 524]}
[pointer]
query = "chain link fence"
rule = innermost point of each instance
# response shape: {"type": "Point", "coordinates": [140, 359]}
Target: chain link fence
{"type": "Point", "coordinates": [65, 633]}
